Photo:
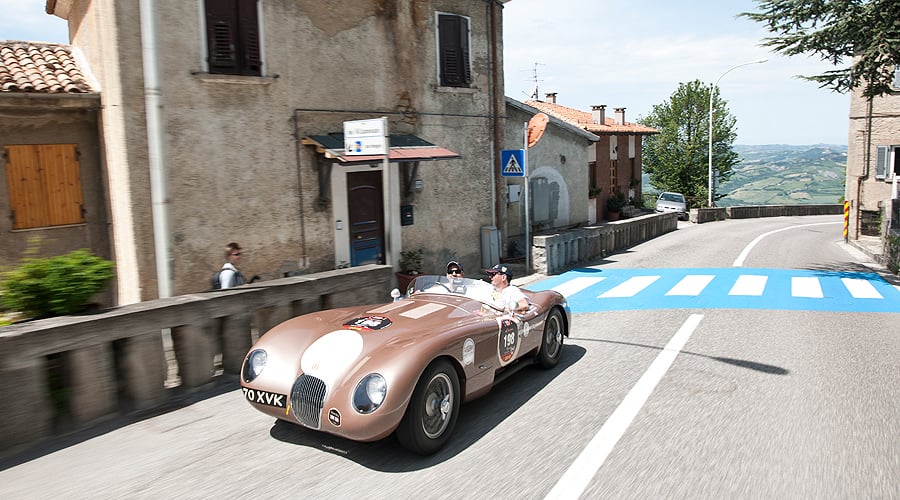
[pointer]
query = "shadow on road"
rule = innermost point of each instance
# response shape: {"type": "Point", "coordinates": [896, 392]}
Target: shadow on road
{"type": "Point", "coordinates": [743, 363]}
{"type": "Point", "coordinates": [476, 419]}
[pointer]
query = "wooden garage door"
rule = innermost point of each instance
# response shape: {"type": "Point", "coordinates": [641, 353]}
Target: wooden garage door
{"type": "Point", "coordinates": [44, 183]}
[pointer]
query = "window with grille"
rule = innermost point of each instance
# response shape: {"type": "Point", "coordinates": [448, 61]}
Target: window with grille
{"type": "Point", "coordinates": [44, 184]}
{"type": "Point", "coordinates": [232, 37]}
{"type": "Point", "coordinates": [613, 174]}
{"type": "Point", "coordinates": [453, 51]}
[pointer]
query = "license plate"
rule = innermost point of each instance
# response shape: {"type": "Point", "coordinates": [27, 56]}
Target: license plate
{"type": "Point", "coordinates": [265, 398]}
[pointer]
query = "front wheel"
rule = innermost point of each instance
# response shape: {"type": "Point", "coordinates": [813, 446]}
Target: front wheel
{"type": "Point", "coordinates": [432, 411]}
{"type": "Point", "coordinates": [552, 340]}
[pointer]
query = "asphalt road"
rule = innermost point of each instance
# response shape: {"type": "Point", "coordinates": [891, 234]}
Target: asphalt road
{"type": "Point", "coordinates": [646, 403]}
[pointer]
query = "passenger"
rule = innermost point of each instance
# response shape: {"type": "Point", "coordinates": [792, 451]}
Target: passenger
{"type": "Point", "coordinates": [506, 296]}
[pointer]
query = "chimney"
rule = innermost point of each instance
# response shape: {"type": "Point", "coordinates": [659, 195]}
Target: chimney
{"type": "Point", "coordinates": [598, 114]}
{"type": "Point", "coordinates": [620, 115]}
{"type": "Point", "coordinates": [551, 97]}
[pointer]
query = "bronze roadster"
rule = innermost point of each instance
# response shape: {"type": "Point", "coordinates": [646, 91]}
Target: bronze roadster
{"type": "Point", "coordinates": [405, 366]}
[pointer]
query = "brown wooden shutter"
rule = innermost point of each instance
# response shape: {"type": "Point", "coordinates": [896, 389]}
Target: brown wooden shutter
{"type": "Point", "coordinates": [222, 36]}
{"type": "Point", "coordinates": [454, 50]}
{"type": "Point", "coordinates": [44, 182]}
{"type": "Point", "coordinates": [249, 38]}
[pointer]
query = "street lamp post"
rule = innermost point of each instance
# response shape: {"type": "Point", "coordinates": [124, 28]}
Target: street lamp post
{"type": "Point", "coordinates": [711, 93]}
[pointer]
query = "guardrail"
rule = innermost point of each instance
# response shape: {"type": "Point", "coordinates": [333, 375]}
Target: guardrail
{"type": "Point", "coordinates": [701, 215]}
{"type": "Point", "coordinates": [556, 253]}
{"type": "Point", "coordinates": [70, 372]}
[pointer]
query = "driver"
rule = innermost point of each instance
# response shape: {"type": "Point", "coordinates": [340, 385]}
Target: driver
{"type": "Point", "coordinates": [455, 277]}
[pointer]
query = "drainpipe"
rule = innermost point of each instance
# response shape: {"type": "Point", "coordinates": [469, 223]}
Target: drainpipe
{"type": "Point", "coordinates": [496, 100]}
{"type": "Point", "coordinates": [867, 157]}
{"type": "Point", "coordinates": [159, 194]}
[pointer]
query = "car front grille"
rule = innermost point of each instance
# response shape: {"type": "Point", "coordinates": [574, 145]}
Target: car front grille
{"type": "Point", "coordinates": [307, 398]}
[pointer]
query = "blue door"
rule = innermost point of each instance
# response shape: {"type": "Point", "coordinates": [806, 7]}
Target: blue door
{"type": "Point", "coordinates": [366, 211]}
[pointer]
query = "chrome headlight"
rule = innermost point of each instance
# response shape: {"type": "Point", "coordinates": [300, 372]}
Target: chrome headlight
{"type": "Point", "coordinates": [369, 393]}
{"type": "Point", "coordinates": [254, 364]}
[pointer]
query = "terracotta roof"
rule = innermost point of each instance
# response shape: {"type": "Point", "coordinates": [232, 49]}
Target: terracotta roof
{"type": "Point", "coordinates": [40, 68]}
{"type": "Point", "coordinates": [585, 120]}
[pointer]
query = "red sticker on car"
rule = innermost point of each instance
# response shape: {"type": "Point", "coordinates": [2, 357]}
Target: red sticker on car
{"type": "Point", "coordinates": [368, 323]}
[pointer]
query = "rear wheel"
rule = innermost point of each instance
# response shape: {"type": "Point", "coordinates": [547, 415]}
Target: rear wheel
{"type": "Point", "coordinates": [552, 341]}
{"type": "Point", "coordinates": [432, 411]}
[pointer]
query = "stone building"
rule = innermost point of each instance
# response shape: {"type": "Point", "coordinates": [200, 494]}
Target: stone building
{"type": "Point", "coordinates": [873, 164]}
{"type": "Point", "coordinates": [223, 120]}
{"type": "Point", "coordinates": [614, 161]}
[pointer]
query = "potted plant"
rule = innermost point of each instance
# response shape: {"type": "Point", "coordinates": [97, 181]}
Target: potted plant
{"type": "Point", "coordinates": [614, 205]}
{"type": "Point", "coordinates": [594, 192]}
{"type": "Point", "coordinates": [410, 267]}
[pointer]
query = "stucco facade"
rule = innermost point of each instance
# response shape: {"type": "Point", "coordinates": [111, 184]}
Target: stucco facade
{"type": "Point", "coordinates": [235, 166]}
{"type": "Point", "coordinates": [874, 126]}
{"type": "Point", "coordinates": [557, 174]}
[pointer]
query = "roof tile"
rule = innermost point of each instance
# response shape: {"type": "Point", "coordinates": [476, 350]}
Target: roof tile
{"type": "Point", "coordinates": [40, 68]}
{"type": "Point", "coordinates": [585, 120]}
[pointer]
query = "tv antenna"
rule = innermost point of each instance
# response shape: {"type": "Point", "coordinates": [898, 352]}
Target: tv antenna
{"type": "Point", "coordinates": [535, 94]}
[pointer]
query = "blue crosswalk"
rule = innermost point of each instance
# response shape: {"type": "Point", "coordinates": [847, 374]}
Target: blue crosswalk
{"type": "Point", "coordinates": [594, 290]}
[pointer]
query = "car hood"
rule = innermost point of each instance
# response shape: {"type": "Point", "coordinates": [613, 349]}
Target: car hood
{"type": "Point", "coordinates": [329, 344]}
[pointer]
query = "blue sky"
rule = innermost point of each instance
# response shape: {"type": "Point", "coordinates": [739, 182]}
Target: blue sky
{"type": "Point", "coordinates": [634, 54]}
{"type": "Point", "coordinates": [628, 54]}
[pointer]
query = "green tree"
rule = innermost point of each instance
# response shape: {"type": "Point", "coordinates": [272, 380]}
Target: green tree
{"type": "Point", "coordinates": [677, 159]}
{"type": "Point", "coordinates": [866, 30]}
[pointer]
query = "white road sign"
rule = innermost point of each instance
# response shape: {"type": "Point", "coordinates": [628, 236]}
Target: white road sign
{"type": "Point", "coordinates": [365, 137]}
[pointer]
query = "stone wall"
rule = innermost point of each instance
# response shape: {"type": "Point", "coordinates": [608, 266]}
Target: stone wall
{"type": "Point", "coordinates": [65, 373]}
{"type": "Point", "coordinates": [556, 253]}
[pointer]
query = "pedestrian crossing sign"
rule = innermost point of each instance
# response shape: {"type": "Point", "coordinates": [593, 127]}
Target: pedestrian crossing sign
{"type": "Point", "coordinates": [512, 163]}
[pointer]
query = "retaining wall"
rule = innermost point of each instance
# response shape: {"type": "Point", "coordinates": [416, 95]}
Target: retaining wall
{"type": "Point", "coordinates": [554, 254]}
{"type": "Point", "coordinates": [70, 372]}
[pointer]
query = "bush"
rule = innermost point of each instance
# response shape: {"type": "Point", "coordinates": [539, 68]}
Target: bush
{"type": "Point", "coordinates": [55, 286]}
{"type": "Point", "coordinates": [616, 202]}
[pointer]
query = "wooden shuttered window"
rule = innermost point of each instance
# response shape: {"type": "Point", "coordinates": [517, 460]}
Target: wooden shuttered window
{"type": "Point", "coordinates": [453, 38]}
{"type": "Point", "coordinates": [881, 160]}
{"type": "Point", "coordinates": [44, 183]}
{"type": "Point", "coordinates": [232, 35]}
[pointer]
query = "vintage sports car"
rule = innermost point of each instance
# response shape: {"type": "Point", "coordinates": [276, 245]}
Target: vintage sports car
{"type": "Point", "coordinates": [405, 366]}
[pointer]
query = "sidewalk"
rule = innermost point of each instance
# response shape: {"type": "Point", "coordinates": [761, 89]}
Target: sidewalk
{"type": "Point", "coordinates": [869, 245]}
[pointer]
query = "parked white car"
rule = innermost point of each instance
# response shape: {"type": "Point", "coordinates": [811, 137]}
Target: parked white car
{"type": "Point", "coordinates": [672, 202]}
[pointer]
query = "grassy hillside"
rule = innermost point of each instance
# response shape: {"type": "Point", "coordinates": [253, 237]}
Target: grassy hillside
{"type": "Point", "coordinates": [778, 174]}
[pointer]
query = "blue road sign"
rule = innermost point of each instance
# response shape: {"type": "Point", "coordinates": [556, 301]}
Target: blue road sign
{"type": "Point", "coordinates": [512, 163]}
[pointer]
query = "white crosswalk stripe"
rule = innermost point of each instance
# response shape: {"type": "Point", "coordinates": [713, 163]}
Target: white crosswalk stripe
{"type": "Point", "coordinates": [576, 285]}
{"type": "Point", "coordinates": [861, 289]}
{"type": "Point", "coordinates": [630, 287]}
{"type": "Point", "coordinates": [749, 285]}
{"type": "Point", "coordinates": [691, 285]}
{"type": "Point", "coordinates": [808, 287]}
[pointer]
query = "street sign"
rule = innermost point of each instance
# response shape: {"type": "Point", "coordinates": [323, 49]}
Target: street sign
{"type": "Point", "coordinates": [512, 163]}
{"type": "Point", "coordinates": [365, 137]}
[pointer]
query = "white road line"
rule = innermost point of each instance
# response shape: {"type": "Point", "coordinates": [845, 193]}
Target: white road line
{"type": "Point", "coordinates": [861, 289]}
{"type": "Point", "coordinates": [749, 285]}
{"type": "Point", "coordinates": [577, 477]}
{"type": "Point", "coordinates": [571, 287]}
{"type": "Point", "coordinates": [802, 286]}
{"type": "Point", "coordinates": [630, 287]}
{"type": "Point", "coordinates": [746, 251]}
{"type": "Point", "coordinates": [692, 284]}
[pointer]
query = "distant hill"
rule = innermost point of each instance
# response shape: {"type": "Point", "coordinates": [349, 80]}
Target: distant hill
{"type": "Point", "coordinates": [779, 174]}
